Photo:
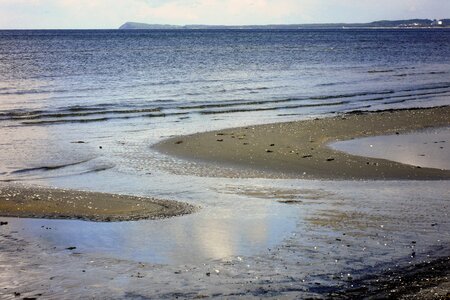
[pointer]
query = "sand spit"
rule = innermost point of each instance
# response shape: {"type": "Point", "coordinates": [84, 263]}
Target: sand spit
{"type": "Point", "coordinates": [49, 203]}
{"type": "Point", "coordinates": [300, 149]}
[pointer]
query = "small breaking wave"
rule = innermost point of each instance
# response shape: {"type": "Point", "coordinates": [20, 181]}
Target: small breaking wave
{"type": "Point", "coordinates": [48, 168]}
{"type": "Point", "coordinates": [168, 108]}
{"type": "Point", "coordinates": [90, 165]}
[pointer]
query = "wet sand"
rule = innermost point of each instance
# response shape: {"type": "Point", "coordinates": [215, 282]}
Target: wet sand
{"type": "Point", "coordinates": [300, 149]}
{"type": "Point", "coordinates": [427, 280]}
{"type": "Point", "coordinates": [348, 233]}
{"type": "Point", "coordinates": [38, 202]}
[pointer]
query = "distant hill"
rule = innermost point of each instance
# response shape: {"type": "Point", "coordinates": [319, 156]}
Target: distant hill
{"type": "Point", "coordinates": [134, 25]}
{"type": "Point", "coordinates": [412, 23]}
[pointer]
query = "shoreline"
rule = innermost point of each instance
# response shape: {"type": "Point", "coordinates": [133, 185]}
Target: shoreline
{"type": "Point", "coordinates": [300, 149]}
{"type": "Point", "coordinates": [50, 203]}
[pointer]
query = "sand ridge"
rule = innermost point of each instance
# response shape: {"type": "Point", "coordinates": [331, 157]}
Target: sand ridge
{"type": "Point", "coordinates": [51, 203]}
{"type": "Point", "coordinates": [300, 149]}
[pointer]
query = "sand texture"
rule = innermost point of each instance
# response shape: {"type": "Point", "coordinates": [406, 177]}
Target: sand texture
{"type": "Point", "coordinates": [300, 149]}
{"type": "Point", "coordinates": [39, 202]}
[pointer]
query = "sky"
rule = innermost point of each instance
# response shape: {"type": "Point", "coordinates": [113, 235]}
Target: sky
{"type": "Point", "coordinates": [107, 14]}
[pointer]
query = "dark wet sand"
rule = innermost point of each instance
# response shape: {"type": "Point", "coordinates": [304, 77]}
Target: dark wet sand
{"type": "Point", "coordinates": [49, 203]}
{"type": "Point", "coordinates": [299, 149]}
{"type": "Point", "coordinates": [427, 280]}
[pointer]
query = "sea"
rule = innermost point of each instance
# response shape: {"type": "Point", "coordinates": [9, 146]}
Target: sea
{"type": "Point", "coordinates": [81, 109]}
{"type": "Point", "coordinates": [60, 83]}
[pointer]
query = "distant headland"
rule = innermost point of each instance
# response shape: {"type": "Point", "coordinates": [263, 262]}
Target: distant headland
{"type": "Point", "coordinates": [412, 23]}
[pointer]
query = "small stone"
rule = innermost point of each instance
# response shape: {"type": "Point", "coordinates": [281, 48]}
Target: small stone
{"type": "Point", "coordinates": [268, 151]}
{"type": "Point", "coordinates": [330, 159]}
{"type": "Point", "coordinates": [71, 248]}
{"type": "Point", "coordinates": [3, 223]}
{"type": "Point", "coordinates": [178, 142]}
{"type": "Point", "coordinates": [220, 140]}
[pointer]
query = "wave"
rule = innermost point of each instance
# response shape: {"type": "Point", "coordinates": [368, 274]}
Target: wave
{"type": "Point", "coordinates": [48, 168]}
{"type": "Point", "coordinates": [167, 108]}
{"type": "Point", "coordinates": [90, 170]}
{"type": "Point", "coordinates": [380, 71]}
{"type": "Point", "coordinates": [48, 91]}
{"type": "Point", "coordinates": [65, 121]}
{"type": "Point", "coordinates": [271, 108]}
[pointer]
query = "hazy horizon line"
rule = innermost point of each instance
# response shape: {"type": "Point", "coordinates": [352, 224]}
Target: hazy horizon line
{"type": "Point", "coordinates": [233, 25]}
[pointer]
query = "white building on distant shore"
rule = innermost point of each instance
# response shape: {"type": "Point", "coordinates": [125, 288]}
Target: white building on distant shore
{"type": "Point", "coordinates": [437, 23]}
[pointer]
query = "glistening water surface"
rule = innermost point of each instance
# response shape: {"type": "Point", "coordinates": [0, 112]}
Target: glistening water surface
{"type": "Point", "coordinates": [117, 89]}
{"type": "Point", "coordinates": [81, 109]}
{"type": "Point", "coordinates": [427, 148]}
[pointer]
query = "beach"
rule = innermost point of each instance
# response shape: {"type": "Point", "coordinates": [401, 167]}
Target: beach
{"type": "Point", "coordinates": [51, 203]}
{"type": "Point", "coordinates": [213, 163]}
{"type": "Point", "coordinates": [336, 217]}
{"type": "Point", "coordinates": [300, 149]}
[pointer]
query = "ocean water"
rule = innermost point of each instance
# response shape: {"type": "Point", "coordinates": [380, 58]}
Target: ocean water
{"type": "Point", "coordinates": [78, 84]}
{"type": "Point", "coordinates": [81, 109]}
{"type": "Point", "coordinates": [54, 77]}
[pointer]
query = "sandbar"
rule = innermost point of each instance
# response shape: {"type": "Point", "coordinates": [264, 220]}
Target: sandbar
{"type": "Point", "coordinates": [51, 203]}
{"type": "Point", "coordinates": [300, 149]}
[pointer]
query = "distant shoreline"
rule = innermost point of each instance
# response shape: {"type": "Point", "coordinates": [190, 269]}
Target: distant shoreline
{"type": "Point", "coordinates": [385, 24]}
{"type": "Point", "coordinates": [318, 28]}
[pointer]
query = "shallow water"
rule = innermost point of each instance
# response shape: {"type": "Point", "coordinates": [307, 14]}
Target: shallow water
{"type": "Point", "coordinates": [121, 89]}
{"type": "Point", "coordinates": [427, 148]}
{"type": "Point", "coordinates": [244, 238]}
{"type": "Point", "coordinates": [81, 110]}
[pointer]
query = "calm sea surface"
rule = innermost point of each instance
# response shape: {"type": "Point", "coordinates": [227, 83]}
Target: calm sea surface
{"type": "Point", "coordinates": [81, 109]}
